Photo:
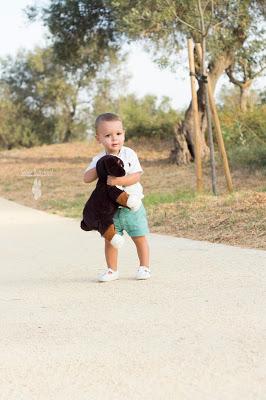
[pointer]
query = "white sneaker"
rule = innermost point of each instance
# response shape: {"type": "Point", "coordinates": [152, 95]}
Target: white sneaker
{"type": "Point", "coordinates": [143, 273]}
{"type": "Point", "coordinates": [108, 275]}
{"type": "Point", "coordinates": [134, 202]}
{"type": "Point", "coordinates": [117, 241]}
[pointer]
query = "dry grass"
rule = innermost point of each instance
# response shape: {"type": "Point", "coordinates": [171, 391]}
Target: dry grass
{"type": "Point", "coordinates": [238, 219]}
{"type": "Point", "coordinates": [173, 207]}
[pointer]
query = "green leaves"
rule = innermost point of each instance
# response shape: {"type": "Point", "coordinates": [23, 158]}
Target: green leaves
{"type": "Point", "coordinates": [82, 32]}
{"type": "Point", "coordinates": [39, 100]}
{"type": "Point", "coordinates": [86, 33]}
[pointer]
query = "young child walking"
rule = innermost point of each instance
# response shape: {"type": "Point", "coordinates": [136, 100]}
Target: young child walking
{"type": "Point", "coordinates": [110, 133]}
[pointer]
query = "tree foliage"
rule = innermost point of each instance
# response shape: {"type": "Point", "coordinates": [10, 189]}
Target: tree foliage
{"type": "Point", "coordinates": [94, 27]}
{"type": "Point", "coordinates": [142, 117]}
{"type": "Point", "coordinates": [249, 62]}
{"type": "Point", "coordinates": [148, 117]}
{"type": "Point", "coordinates": [40, 99]}
{"type": "Point", "coordinates": [82, 31]}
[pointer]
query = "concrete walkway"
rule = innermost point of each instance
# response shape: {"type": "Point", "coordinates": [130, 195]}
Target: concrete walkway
{"type": "Point", "coordinates": [195, 331]}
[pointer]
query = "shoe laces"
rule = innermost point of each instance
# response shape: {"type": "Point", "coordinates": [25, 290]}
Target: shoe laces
{"type": "Point", "coordinates": [110, 271]}
{"type": "Point", "coordinates": [144, 269]}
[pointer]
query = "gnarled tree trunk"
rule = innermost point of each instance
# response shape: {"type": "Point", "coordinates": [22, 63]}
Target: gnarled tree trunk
{"type": "Point", "coordinates": [183, 150]}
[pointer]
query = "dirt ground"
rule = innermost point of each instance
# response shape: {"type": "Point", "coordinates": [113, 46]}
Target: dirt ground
{"type": "Point", "coordinates": [172, 204]}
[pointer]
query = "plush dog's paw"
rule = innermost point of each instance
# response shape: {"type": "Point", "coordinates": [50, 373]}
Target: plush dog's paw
{"type": "Point", "coordinates": [117, 241]}
{"type": "Point", "coordinates": [134, 202]}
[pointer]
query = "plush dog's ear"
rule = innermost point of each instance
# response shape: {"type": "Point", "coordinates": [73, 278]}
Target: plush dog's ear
{"type": "Point", "coordinates": [114, 166]}
{"type": "Point", "coordinates": [101, 169]}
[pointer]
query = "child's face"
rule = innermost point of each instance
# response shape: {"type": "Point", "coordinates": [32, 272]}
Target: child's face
{"type": "Point", "coordinates": [111, 135]}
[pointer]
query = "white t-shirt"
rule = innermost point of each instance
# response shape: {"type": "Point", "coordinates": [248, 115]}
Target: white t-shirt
{"type": "Point", "coordinates": [131, 165]}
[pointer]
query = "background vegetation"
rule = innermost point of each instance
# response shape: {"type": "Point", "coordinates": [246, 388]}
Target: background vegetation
{"type": "Point", "coordinates": [42, 103]}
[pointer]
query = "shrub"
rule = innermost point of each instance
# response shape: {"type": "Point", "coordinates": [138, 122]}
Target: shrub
{"type": "Point", "coordinates": [245, 136]}
{"type": "Point", "coordinates": [244, 128]}
{"type": "Point", "coordinates": [142, 117]}
{"type": "Point", "coordinates": [147, 117]}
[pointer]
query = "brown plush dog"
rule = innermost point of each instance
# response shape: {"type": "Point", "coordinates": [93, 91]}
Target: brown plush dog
{"type": "Point", "coordinates": [101, 206]}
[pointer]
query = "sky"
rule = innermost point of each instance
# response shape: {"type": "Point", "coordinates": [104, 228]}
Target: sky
{"type": "Point", "coordinates": [146, 77]}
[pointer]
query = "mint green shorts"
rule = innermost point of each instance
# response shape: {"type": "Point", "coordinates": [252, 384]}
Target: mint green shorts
{"type": "Point", "coordinates": [134, 223]}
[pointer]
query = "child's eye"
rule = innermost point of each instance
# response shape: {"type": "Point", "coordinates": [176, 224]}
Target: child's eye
{"type": "Point", "coordinates": [107, 135]}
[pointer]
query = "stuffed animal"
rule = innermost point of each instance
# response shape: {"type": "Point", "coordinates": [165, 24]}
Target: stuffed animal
{"type": "Point", "coordinates": [105, 199]}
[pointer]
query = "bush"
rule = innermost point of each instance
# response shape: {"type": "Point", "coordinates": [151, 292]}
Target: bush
{"type": "Point", "coordinates": [253, 157]}
{"type": "Point", "coordinates": [244, 128]}
{"type": "Point", "coordinates": [146, 117]}
{"type": "Point", "coordinates": [245, 136]}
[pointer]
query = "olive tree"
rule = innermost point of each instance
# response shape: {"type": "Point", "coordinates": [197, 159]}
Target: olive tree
{"type": "Point", "coordinates": [88, 30]}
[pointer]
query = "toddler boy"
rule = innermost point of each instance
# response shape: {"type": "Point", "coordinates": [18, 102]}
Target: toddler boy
{"type": "Point", "coordinates": [110, 133]}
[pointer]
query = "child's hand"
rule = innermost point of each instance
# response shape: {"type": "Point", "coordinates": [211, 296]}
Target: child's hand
{"type": "Point", "coordinates": [112, 180]}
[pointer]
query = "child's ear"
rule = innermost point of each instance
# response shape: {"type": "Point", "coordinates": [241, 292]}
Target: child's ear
{"type": "Point", "coordinates": [97, 138]}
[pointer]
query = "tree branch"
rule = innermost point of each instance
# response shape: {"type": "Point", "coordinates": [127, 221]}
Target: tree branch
{"type": "Point", "coordinates": [219, 23]}
{"type": "Point", "coordinates": [211, 19]}
{"type": "Point", "coordinates": [259, 72]}
{"type": "Point", "coordinates": [202, 25]}
{"type": "Point", "coordinates": [232, 79]}
{"type": "Point", "coordinates": [181, 20]}
{"type": "Point", "coordinates": [206, 5]}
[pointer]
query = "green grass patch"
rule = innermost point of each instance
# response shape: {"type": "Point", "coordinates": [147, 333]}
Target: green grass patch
{"type": "Point", "coordinates": [152, 199]}
{"type": "Point", "coordinates": [8, 187]}
{"type": "Point", "coordinates": [68, 208]}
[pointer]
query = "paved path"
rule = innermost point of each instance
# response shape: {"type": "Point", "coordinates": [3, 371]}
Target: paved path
{"type": "Point", "coordinates": [195, 331]}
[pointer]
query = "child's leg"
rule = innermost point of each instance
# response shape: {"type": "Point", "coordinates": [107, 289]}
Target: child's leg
{"type": "Point", "coordinates": [111, 255]}
{"type": "Point", "coordinates": [142, 246]}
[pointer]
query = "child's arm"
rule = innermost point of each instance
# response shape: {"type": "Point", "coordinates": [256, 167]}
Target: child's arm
{"type": "Point", "coordinates": [90, 175]}
{"type": "Point", "coordinates": [124, 180]}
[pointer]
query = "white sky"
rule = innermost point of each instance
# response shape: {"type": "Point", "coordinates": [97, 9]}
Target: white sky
{"type": "Point", "coordinates": [147, 78]}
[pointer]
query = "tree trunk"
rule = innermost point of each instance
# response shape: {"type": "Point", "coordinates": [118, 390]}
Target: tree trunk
{"type": "Point", "coordinates": [183, 150]}
{"type": "Point", "coordinates": [243, 85]}
{"type": "Point", "coordinates": [244, 96]}
{"type": "Point", "coordinates": [70, 119]}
